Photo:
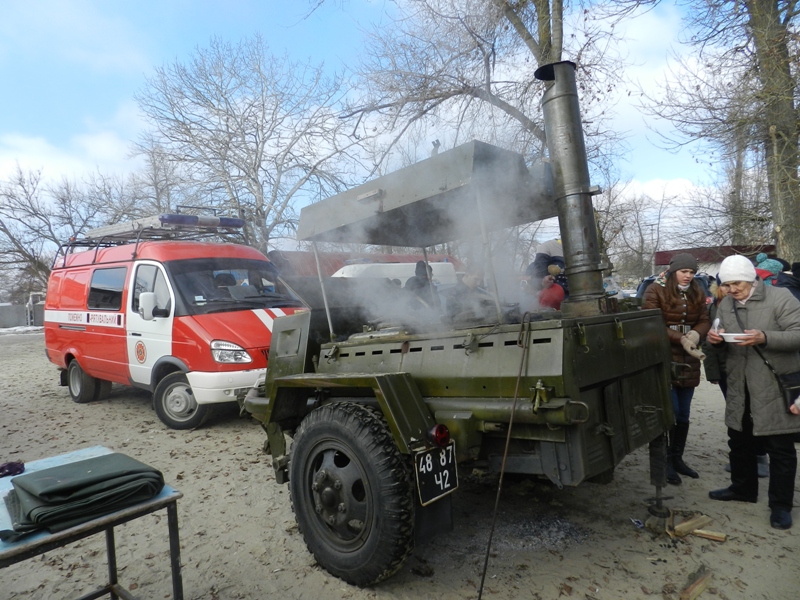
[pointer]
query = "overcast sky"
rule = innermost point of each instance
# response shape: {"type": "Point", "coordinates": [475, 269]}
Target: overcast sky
{"type": "Point", "coordinates": [69, 70]}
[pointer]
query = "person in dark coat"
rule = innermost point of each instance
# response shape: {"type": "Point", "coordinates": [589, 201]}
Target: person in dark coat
{"type": "Point", "coordinates": [714, 363]}
{"type": "Point", "coordinates": [790, 280]}
{"type": "Point", "coordinates": [682, 301]}
{"type": "Point", "coordinates": [769, 318]}
{"type": "Point", "coordinates": [421, 286]}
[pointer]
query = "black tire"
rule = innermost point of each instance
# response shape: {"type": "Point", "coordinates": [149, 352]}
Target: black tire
{"type": "Point", "coordinates": [82, 387]}
{"type": "Point", "coordinates": [103, 389]}
{"type": "Point", "coordinates": [351, 493]}
{"type": "Point", "coordinates": [175, 404]}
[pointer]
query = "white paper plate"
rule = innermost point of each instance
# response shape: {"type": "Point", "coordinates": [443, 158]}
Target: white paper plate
{"type": "Point", "coordinates": [735, 337]}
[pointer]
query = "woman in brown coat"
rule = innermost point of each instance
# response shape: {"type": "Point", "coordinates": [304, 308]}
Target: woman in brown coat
{"type": "Point", "coordinates": [682, 301]}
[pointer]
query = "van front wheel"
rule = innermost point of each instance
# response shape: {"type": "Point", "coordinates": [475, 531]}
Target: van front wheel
{"type": "Point", "coordinates": [175, 403]}
{"type": "Point", "coordinates": [82, 387]}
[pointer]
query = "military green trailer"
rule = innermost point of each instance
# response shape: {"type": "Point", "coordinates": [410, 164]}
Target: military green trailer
{"type": "Point", "coordinates": [387, 402]}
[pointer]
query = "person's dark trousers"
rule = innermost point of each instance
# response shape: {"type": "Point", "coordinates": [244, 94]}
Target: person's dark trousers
{"type": "Point", "coordinates": [744, 470]}
{"type": "Point", "coordinates": [782, 470]}
{"type": "Point", "coordinates": [759, 442]}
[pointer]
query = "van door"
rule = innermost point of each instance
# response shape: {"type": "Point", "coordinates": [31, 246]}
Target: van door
{"type": "Point", "coordinates": [103, 343]}
{"type": "Point", "coordinates": [148, 341]}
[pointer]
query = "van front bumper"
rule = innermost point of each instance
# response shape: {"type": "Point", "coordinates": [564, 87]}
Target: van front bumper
{"type": "Point", "coordinates": [211, 388]}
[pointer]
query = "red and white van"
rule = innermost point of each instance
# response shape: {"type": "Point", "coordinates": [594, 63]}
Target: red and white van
{"type": "Point", "coordinates": [190, 321]}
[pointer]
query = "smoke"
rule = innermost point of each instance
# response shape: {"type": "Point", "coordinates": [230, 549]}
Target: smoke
{"type": "Point", "coordinates": [465, 193]}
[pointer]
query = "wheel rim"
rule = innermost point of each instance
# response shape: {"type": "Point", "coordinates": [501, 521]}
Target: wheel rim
{"type": "Point", "coordinates": [341, 495]}
{"type": "Point", "coordinates": [75, 382]}
{"type": "Point", "coordinates": [179, 403]}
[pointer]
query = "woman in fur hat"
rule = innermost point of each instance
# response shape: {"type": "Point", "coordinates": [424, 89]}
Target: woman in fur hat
{"type": "Point", "coordinates": [682, 301]}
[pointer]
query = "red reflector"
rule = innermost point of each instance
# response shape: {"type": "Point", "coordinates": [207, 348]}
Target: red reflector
{"type": "Point", "coordinates": [439, 435]}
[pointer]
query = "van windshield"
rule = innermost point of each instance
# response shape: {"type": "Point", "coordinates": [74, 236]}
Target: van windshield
{"type": "Point", "coordinates": [220, 284]}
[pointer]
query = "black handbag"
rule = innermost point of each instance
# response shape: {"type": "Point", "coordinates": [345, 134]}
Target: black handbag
{"type": "Point", "coordinates": [790, 386]}
{"type": "Point", "coordinates": [788, 383]}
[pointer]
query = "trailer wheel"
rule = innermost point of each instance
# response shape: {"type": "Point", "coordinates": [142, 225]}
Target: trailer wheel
{"type": "Point", "coordinates": [351, 493]}
{"type": "Point", "coordinates": [82, 387]}
{"type": "Point", "coordinates": [175, 404]}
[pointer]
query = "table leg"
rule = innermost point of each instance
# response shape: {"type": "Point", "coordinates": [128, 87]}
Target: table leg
{"type": "Point", "coordinates": [111, 551]}
{"type": "Point", "coordinates": [175, 551]}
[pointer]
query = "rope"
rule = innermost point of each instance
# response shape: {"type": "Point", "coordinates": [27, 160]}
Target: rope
{"type": "Point", "coordinates": [523, 341]}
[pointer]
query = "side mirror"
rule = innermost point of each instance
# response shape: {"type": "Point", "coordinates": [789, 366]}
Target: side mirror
{"type": "Point", "coordinates": [147, 303]}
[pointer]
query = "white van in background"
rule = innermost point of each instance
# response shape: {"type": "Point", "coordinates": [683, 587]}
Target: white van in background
{"type": "Point", "coordinates": [444, 273]}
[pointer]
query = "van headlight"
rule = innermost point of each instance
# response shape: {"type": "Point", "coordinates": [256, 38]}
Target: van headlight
{"type": "Point", "coordinates": [228, 352]}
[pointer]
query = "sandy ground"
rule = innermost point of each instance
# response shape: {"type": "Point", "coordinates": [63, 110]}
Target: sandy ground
{"type": "Point", "coordinates": [239, 539]}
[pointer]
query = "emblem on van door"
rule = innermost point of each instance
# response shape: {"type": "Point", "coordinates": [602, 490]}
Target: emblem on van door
{"type": "Point", "coordinates": [141, 352]}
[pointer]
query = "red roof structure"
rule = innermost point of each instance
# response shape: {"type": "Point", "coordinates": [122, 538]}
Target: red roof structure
{"type": "Point", "coordinates": [713, 254]}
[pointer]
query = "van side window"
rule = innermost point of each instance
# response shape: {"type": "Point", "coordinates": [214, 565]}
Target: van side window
{"type": "Point", "coordinates": [150, 278]}
{"type": "Point", "coordinates": [105, 290]}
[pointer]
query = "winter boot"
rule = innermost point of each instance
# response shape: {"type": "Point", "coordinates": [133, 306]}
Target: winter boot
{"type": "Point", "coordinates": [672, 475]}
{"type": "Point", "coordinates": [681, 431]}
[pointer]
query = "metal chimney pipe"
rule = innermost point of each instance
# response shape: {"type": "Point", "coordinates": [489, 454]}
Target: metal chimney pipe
{"type": "Point", "coordinates": [573, 190]}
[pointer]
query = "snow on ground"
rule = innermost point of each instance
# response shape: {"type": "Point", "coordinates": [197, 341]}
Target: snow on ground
{"type": "Point", "coordinates": [21, 329]}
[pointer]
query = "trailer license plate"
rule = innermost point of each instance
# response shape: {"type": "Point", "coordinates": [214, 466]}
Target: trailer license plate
{"type": "Point", "coordinates": [436, 473]}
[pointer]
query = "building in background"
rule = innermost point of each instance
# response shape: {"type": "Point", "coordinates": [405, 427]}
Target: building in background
{"type": "Point", "coordinates": [709, 258]}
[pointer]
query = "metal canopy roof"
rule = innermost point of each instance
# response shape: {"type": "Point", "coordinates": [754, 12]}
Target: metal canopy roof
{"type": "Point", "coordinates": [436, 200]}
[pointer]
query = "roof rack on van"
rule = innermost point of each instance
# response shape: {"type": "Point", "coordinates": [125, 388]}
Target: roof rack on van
{"type": "Point", "coordinates": [157, 227]}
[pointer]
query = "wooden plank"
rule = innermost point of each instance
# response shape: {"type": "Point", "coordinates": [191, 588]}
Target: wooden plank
{"type": "Point", "coordinates": [698, 585]}
{"type": "Point", "coordinates": [710, 535]}
{"type": "Point", "coordinates": [689, 526]}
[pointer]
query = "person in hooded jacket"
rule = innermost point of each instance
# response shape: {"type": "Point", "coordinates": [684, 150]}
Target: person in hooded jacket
{"type": "Point", "coordinates": [682, 302]}
{"type": "Point", "coordinates": [769, 318]}
{"type": "Point", "coordinates": [542, 272]}
{"type": "Point", "coordinates": [768, 268]}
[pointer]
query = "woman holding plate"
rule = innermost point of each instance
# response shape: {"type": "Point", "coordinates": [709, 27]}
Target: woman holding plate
{"type": "Point", "coordinates": [761, 326]}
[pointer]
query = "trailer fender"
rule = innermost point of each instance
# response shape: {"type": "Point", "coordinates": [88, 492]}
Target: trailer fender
{"type": "Point", "coordinates": [397, 395]}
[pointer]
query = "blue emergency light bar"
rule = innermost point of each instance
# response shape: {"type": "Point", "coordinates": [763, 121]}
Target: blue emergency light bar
{"type": "Point", "coordinates": [168, 225]}
{"type": "Point", "coordinates": [201, 221]}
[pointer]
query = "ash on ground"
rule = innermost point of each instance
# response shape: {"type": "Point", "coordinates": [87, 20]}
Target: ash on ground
{"type": "Point", "coordinates": [545, 532]}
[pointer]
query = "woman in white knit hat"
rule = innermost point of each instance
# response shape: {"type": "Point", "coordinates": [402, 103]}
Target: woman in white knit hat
{"type": "Point", "coordinates": [768, 319]}
{"type": "Point", "coordinates": [682, 301]}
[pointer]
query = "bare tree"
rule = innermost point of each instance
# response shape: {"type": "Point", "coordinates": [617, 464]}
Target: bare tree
{"type": "Point", "coordinates": [26, 228]}
{"type": "Point", "coordinates": [633, 226]}
{"type": "Point", "coordinates": [161, 186]}
{"type": "Point", "coordinates": [739, 91]}
{"type": "Point", "coordinates": [464, 69]}
{"type": "Point", "coordinates": [255, 133]}
{"type": "Point", "coordinates": [36, 218]}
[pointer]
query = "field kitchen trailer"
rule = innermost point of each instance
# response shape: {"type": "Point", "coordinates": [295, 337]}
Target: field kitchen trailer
{"type": "Point", "coordinates": [385, 402]}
